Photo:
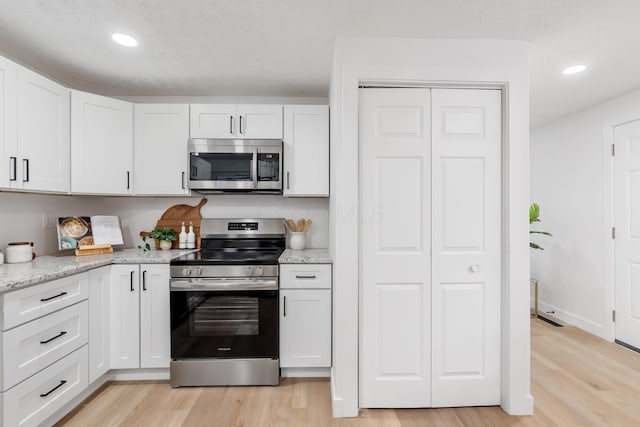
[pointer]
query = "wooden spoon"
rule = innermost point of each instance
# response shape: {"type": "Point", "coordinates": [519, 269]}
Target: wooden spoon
{"type": "Point", "coordinates": [307, 224]}
{"type": "Point", "coordinates": [286, 224]}
{"type": "Point", "coordinates": [292, 225]}
{"type": "Point", "coordinates": [301, 224]}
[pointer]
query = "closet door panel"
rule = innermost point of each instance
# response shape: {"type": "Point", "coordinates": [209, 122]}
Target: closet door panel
{"type": "Point", "coordinates": [466, 140]}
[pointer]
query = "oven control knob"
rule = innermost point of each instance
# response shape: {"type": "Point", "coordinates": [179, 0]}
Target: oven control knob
{"type": "Point", "coordinates": [198, 272]}
{"type": "Point", "coordinates": [186, 272]}
{"type": "Point", "coordinates": [249, 270]}
{"type": "Point", "coordinates": [258, 271]}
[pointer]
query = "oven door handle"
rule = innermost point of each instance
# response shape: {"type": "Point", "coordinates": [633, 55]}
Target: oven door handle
{"type": "Point", "coordinates": [224, 285]}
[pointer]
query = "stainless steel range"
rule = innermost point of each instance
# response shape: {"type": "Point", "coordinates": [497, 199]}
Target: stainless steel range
{"type": "Point", "coordinates": [224, 305]}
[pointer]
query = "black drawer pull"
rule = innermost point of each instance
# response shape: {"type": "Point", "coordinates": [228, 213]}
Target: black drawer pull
{"type": "Point", "coordinates": [305, 277]}
{"type": "Point", "coordinates": [54, 338]}
{"type": "Point", "coordinates": [62, 382]}
{"type": "Point", "coordinates": [285, 306]}
{"type": "Point", "coordinates": [61, 294]}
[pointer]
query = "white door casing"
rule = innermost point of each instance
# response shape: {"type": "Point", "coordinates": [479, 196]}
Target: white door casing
{"type": "Point", "coordinates": [627, 240]}
{"type": "Point", "coordinates": [395, 292]}
{"type": "Point", "coordinates": [466, 141]}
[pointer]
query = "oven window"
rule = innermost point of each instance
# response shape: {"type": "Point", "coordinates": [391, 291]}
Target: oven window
{"type": "Point", "coordinates": [221, 167]}
{"type": "Point", "coordinates": [268, 167]}
{"type": "Point", "coordinates": [224, 316]}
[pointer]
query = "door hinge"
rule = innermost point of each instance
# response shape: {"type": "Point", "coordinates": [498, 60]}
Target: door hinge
{"type": "Point", "coordinates": [613, 232]}
{"type": "Point", "coordinates": [613, 149]}
{"type": "Point", "coordinates": [613, 315]}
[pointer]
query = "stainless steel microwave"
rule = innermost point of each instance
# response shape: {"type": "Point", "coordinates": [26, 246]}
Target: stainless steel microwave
{"type": "Point", "coordinates": [235, 165]}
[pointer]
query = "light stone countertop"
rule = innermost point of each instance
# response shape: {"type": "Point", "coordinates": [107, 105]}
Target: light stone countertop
{"type": "Point", "coordinates": [47, 267]}
{"type": "Point", "coordinates": [305, 256]}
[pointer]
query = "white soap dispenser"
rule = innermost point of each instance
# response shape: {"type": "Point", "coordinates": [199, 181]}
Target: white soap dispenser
{"type": "Point", "coordinates": [191, 237]}
{"type": "Point", "coordinates": [182, 239]}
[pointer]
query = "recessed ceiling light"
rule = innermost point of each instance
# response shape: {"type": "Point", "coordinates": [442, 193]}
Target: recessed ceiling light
{"type": "Point", "coordinates": [124, 39]}
{"type": "Point", "coordinates": [574, 69]}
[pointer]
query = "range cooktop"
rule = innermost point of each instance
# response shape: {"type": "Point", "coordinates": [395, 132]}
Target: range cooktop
{"type": "Point", "coordinates": [229, 257]}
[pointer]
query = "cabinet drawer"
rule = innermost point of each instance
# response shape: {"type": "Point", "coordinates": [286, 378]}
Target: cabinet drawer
{"type": "Point", "coordinates": [305, 276]}
{"type": "Point", "coordinates": [30, 303]}
{"type": "Point", "coordinates": [34, 400]}
{"type": "Point", "coordinates": [37, 344]}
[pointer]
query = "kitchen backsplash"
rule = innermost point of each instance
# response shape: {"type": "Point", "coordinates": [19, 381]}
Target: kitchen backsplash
{"type": "Point", "coordinates": [21, 214]}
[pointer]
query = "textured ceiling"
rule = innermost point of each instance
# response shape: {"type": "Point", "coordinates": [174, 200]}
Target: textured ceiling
{"type": "Point", "coordinates": [284, 47]}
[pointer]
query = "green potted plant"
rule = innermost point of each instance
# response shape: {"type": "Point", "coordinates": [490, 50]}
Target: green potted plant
{"type": "Point", "coordinates": [165, 236]}
{"type": "Point", "coordinates": [534, 216]}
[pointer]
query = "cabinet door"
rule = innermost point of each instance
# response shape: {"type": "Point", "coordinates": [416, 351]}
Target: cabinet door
{"type": "Point", "coordinates": [8, 125]}
{"type": "Point", "coordinates": [259, 121]}
{"type": "Point", "coordinates": [43, 133]}
{"type": "Point", "coordinates": [213, 121]}
{"type": "Point", "coordinates": [155, 328]}
{"type": "Point", "coordinates": [124, 314]}
{"type": "Point", "coordinates": [305, 328]}
{"type": "Point", "coordinates": [99, 289]}
{"type": "Point", "coordinates": [101, 144]}
{"type": "Point", "coordinates": [161, 133]}
{"type": "Point", "coordinates": [306, 150]}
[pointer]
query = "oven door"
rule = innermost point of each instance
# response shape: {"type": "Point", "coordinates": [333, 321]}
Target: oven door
{"type": "Point", "coordinates": [221, 320]}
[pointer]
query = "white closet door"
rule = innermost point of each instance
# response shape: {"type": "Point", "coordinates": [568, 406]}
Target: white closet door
{"type": "Point", "coordinates": [466, 139]}
{"type": "Point", "coordinates": [627, 243]}
{"type": "Point", "coordinates": [395, 276]}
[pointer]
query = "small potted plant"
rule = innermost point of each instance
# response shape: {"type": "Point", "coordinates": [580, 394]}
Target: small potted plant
{"type": "Point", "coordinates": [165, 236]}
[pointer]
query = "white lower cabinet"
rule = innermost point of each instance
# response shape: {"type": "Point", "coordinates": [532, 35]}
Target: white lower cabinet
{"type": "Point", "coordinates": [32, 401]}
{"type": "Point", "coordinates": [35, 345]}
{"type": "Point", "coordinates": [140, 331]}
{"type": "Point", "coordinates": [305, 316]}
{"type": "Point", "coordinates": [99, 292]}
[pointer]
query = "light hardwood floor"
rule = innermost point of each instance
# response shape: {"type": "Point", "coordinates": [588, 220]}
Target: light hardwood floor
{"type": "Point", "coordinates": [577, 380]}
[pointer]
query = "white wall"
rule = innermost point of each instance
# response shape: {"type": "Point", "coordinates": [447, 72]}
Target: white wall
{"type": "Point", "coordinates": [21, 214]}
{"type": "Point", "coordinates": [569, 168]}
{"type": "Point", "coordinates": [414, 60]}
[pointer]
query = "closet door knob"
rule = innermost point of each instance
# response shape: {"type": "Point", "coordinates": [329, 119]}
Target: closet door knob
{"type": "Point", "coordinates": [475, 268]}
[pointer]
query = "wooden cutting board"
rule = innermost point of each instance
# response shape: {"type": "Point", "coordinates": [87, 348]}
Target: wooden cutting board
{"type": "Point", "coordinates": [175, 216]}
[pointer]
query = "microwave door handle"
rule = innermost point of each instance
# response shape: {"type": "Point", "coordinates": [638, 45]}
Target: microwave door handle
{"type": "Point", "coordinates": [255, 168]}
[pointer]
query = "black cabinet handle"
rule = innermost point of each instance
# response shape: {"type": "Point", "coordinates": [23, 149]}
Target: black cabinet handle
{"type": "Point", "coordinates": [13, 174]}
{"type": "Point", "coordinates": [285, 307]}
{"type": "Point", "coordinates": [54, 338]}
{"type": "Point", "coordinates": [231, 125]}
{"type": "Point", "coordinates": [287, 180]}
{"type": "Point", "coordinates": [183, 187]}
{"type": "Point", "coordinates": [144, 280]}
{"type": "Point", "coordinates": [63, 382]}
{"type": "Point", "coordinates": [61, 294]}
{"type": "Point", "coordinates": [131, 281]}
{"type": "Point", "coordinates": [241, 132]}
{"type": "Point", "coordinates": [305, 277]}
{"type": "Point", "coordinates": [25, 172]}
{"type": "Point", "coordinates": [128, 180]}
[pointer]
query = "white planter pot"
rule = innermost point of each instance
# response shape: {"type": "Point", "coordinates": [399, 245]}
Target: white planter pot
{"type": "Point", "coordinates": [165, 244]}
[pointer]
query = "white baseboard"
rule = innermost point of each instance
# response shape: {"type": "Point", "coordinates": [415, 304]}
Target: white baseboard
{"type": "Point", "coordinates": [524, 406]}
{"type": "Point", "coordinates": [139, 374]}
{"type": "Point", "coordinates": [338, 406]}
{"type": "Point", "coordinates": [305, 372]}
{"type": "Point", "coordinates": [573, 319]}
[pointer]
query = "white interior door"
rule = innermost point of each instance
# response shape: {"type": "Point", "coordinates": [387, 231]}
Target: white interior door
{"type": "Point", "coordinates": [466, 139]}
{"type": "Point", "coordinates": [395, 268]}
{"type": "Point", "coordinates": [627, 242]}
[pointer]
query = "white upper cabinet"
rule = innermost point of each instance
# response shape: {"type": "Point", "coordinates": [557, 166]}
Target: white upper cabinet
{"type": "Point", "coordinates": [161, 134]}
{"type": "Point", "coordinates": [213, 121]}
{"type": "Point", "coordinates": [101, 144]}
{"type": "Point", "coordinates": [306, 151]}
{"type": "Point", "coordinates": [8, 123]}
{"type": "Point", "coordinates": [236, 121]}
{"type": "Point", "coordinates": [259, 121]}
{"type": "Point", "coordinates": [43, 133]}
